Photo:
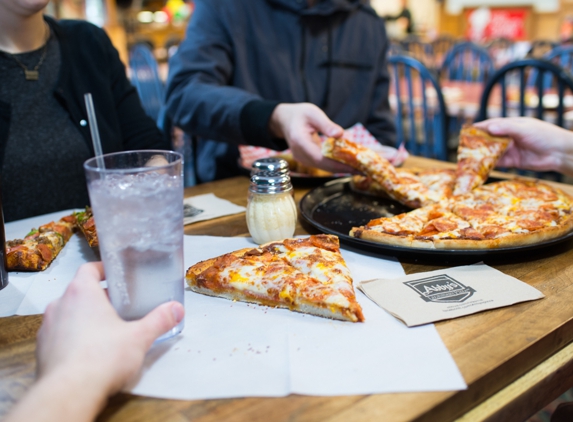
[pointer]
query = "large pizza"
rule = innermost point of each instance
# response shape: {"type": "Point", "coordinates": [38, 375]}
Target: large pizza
{"type": "Point", "coordinates": [454, 209]}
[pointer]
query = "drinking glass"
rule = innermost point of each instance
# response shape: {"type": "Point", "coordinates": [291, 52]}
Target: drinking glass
{"type": "Point", "coordinates": [137, 203]}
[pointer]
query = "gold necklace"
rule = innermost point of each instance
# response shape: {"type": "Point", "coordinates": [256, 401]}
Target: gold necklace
{"type": "Point", "coordinates": [34, 74]}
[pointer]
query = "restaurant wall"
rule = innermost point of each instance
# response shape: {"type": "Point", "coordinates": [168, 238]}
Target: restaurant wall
{"type": "Point", "coordinates": [424, 12]}
{"type": "Point", "coordinates": [539, 25]}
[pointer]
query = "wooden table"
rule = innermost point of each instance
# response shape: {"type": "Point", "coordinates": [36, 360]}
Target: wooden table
{"type": "Point", "coordinates": [515, 360]}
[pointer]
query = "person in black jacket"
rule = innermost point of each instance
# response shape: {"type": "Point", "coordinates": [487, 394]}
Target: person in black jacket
{"type": "Point", "coordinates": [276, 73]}
{"type": "Point", "coordinates": [46, 67]}
{"type": "Point", "coordinates": [404, 18]}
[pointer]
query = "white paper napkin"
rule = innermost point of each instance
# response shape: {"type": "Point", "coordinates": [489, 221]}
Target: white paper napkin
{"type": "Point", "coordinates": [208, 206]}
{"type": "Point", "coordinates": [449, 293]}
{"type": "Point", "coordinates": [235, 349]}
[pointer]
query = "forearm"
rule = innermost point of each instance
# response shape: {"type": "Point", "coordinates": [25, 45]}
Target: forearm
{"type": "Point", "coordinates": [59, 398]}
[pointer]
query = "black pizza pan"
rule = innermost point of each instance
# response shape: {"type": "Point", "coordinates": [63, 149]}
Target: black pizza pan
{"type": "Point", "coordinates": [335, 208]}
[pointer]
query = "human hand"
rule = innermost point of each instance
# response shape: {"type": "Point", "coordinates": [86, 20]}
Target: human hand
{"type": "Point", "coordinates": [537, 145]}
{"type": "Point", "coordinates": [84, 341]}
{"type": "Point", "coordinates": [300, 124]}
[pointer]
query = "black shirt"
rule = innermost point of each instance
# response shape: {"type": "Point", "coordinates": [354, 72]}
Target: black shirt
{"type": "Point", "coordinates": [41, 139]}
{"type": "Point", "coordinates": [88, 63]}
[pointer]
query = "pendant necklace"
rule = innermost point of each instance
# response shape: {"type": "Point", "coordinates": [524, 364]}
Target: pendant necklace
{"type": "Point", "coordinates": [34, 74]}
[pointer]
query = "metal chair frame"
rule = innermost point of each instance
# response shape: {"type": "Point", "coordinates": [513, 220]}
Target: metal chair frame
{"type": "Point", "coordinates": [432, 146]}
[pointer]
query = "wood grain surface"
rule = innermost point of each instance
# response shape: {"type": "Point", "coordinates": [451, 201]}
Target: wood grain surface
{"type": "Point", "coordinates": [513, 359]}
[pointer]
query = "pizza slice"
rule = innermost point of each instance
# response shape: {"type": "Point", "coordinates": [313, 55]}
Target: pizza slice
{"type": "Point", "coordinates": [439, 182]}
{"type": "Point", "coordinates": [40, 247]}
{"type": "Point", "coordinates": [478, 152]}
{"type": "Point", "coordinates": [85, 223]}
{"type": "Point", "coordinates": [398, 230]}
{"type": "Point", "coordinates": [305, 275]}
{"type": "Point", "coordinates": [402, 187]}
{"type": "Point", "coordinates": [504, 214]}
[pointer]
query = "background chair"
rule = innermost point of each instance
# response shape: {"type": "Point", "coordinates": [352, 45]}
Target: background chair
{"type": "Point", "coordinates": [418, 49]}
{"type": "Point", "coordinates": [562, 55]}
{"type": "Point", "coordinates": [419, 108]}
{"type": "Point", "coordinates": [501, 51]}
{"type": "Point", "coordinates": [440, 47]}
{"type": "Point", "coordinates": [145, 79]}
{"type": "Point", "coordinates": [467, 62]}
{"type": "Point", "coordinates": [395, 48]}
{"type": "Point", "coordinates": [516, 97]}
{"type": "Point", "coordinates": [540, 48]}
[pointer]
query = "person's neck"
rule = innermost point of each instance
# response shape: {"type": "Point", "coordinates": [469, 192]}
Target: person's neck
{"type": "Point", "coordinates": [21, 34]}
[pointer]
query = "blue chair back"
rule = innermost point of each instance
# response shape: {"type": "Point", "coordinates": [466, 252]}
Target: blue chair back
{"type": "Point", "coordinates": [539, 48]}
{"type": "Point", "coordinates": [418, 49]}
{"type": "Point", "coordinates": [440, 47]}
{"type": "Point", "coordinates": [145, 79]}
{"type": "Point", "coordinates": [468, 62]}
{"type": "Point", "coordinates": [561, 56]}
{"type": "Point", "coordinates": [518, 72]}
{"type": "Point", "coordinates": [395, 48]}
{"type": "Point", "coordinates": [420, 119]}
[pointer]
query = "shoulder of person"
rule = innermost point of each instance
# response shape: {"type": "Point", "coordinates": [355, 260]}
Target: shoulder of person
{"type": "Point", "coordinates": [79, 27]}
{"type": "Point", "coordinates": [368, 9]}
{"type": "Point", "coordinates": [84, 33]}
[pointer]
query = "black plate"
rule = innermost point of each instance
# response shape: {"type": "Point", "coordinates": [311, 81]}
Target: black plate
{"type": "Point", "coordinates": [335, 208]}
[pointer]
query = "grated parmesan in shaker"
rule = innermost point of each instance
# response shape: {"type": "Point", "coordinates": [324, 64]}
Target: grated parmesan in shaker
{"type": "Point", "coordinates": [271, 210]}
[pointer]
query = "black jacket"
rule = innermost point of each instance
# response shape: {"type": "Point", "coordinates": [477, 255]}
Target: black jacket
{"type": "Point", "coordinates": [241, 58]}
{"type": "Point", "coordinates": [90, 63]}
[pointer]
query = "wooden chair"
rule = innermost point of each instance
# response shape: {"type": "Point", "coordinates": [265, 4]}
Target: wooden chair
{"type": "Point", "coordinates": [519, 72]}
{"type": "Point", "coordinates": [419, 108]}
{"type": "Point", "coordinates": [145, 79]}
{"type": "Point", "coordinates": [467, 62]}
